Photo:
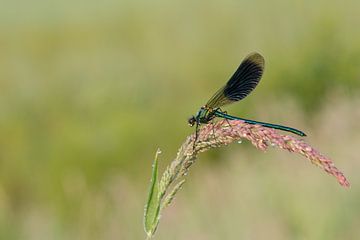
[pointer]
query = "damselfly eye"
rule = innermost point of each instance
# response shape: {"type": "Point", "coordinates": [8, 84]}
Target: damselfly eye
{"type": "Point", "coordinates": [191, 121]}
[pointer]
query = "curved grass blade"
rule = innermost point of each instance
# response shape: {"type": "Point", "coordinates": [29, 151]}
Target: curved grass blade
{"type": "Point", "coordinates": [152, 207]}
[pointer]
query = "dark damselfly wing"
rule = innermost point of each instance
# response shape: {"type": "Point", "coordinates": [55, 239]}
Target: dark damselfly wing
{"type": "Point", "coordinates": [241, 83]}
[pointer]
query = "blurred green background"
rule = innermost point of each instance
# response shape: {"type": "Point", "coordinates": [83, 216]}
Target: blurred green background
{"type": "Point", "coordinates": [90, 89]}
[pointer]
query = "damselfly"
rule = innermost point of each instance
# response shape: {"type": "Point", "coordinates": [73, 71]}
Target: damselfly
{"type": "Point", "coordinates": [242, 82]}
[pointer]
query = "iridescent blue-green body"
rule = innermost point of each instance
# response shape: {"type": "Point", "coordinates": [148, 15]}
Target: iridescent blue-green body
{"type": "Point", "coordinates": [241, 83]}
{"type": "Point", "coordinates": [264, 124]}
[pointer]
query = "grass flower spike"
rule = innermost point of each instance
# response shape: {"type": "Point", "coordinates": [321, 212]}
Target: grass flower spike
{"type": "Point", "coordinates": [216, 135]}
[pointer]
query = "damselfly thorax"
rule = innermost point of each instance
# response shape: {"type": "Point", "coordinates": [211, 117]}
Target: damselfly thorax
{"type": "Point", "coordinates": [203, 116]}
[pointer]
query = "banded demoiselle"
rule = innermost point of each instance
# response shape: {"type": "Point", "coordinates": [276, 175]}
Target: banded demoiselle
{"type": "Point", "coordinates": [241, 83]}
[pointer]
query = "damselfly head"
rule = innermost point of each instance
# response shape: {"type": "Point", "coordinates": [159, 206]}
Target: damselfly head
{"type": "Point", "coordinates": [192, 121]}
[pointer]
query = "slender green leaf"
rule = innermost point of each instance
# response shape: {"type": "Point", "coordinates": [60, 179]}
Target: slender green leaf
{"type": "Point", "coordinates": [151, 216]}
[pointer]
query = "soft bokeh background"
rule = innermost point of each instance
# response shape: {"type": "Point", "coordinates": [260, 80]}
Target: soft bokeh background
{"type": "Point", "coordinates": [90, 89]}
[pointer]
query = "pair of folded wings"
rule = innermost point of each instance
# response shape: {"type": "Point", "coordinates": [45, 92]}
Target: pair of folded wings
{"type": "Point", "coordinates": [241, 83]}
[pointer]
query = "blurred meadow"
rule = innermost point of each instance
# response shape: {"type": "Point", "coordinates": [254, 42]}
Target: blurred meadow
{"type": "Point", "coordinates": [90, 89]}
